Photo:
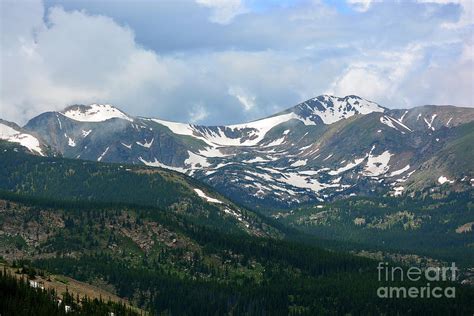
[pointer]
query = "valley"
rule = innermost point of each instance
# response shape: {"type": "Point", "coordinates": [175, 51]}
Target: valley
{"type": "Point", "coordinates": [272, 216]}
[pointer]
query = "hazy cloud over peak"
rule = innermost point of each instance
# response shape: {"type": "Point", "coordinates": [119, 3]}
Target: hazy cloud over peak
{"type": "Point", "coordinates": [219, 62]}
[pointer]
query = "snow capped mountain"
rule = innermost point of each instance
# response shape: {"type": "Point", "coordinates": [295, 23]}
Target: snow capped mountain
{"type": "Point", "coordinates": [94, 113]}
{"type": "Point", "coordinates": [248, 134]}
{"type": "Point", "coordinates": [330, 109]}
{"type": "Point", "coordinates": [14, 134]}
{"type": "Point", "coordinates": [318, 150]}
{"type": "Point", "coordinates": [323, 109]}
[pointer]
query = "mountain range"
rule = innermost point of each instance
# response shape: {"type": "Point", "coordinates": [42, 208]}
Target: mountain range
{"type": "Point", "coordinates": [320, 150]}
{"type": "Point", "coordinates": [292, 216]}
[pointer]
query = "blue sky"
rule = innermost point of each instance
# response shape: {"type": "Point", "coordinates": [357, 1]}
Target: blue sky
{"type": "Point", "coordinates": [229, 61]}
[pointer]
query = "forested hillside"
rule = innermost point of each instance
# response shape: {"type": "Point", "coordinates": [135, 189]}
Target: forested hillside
{"type": "Point", "coordinates": [181, 261]}
{"type": "Point", "coordinates": [82, 181]}
{"type": "Point", "coordinates": [19, 298]}
{"type": "Point", "coordinates": [437, 226]}
{"type": "Point", "coordinates": [163, 263]}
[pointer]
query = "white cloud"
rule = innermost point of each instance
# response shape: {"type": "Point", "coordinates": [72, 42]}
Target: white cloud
{"type": "Point", "coordinates": [223, 11]}
{"type": "Point", "coordinates": [411, 77]}
{"type": "Point", "coordinates": [79, 57]}
{"type": "Point", "coordinates": [360, 5]}
{"type": "Point", "coordinates": [360, 80]}
{"type": "Point", "coordinates": [197, 114]}
{"type": "Point", "coordinates": [467, 15]}
{"type": "Point", "coordinates": [248, 101]}
{"type": "Point", "coordinates": [450, 81]}
{"type": "Point", "coordinates": [377, 74]}
{"type": "Point", "coordinates": [76, 58]}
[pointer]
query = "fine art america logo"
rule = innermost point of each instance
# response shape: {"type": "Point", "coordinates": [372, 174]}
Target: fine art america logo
{"type": "Point", "coordinates": [393, 274]}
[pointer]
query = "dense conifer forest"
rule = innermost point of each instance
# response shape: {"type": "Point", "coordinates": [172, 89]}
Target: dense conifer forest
{"type": "Point", "coordinates": [19, 298]}
{"type": "Point", "coordinates": [173, 261]}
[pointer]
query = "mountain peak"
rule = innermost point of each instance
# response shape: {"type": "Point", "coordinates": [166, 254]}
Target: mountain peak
{"type": "Point", "coordinates": [330, 109]}
{"type": "Point", "coordinates": [94, 113]}
{"type": "Point", "coordinates": [354, 102]}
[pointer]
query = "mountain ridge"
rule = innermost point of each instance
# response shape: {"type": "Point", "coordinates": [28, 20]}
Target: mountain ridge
{"type": "Point", "coordinates": [11, 132]}
{"type": "Point", "coordinates": [318, 150]}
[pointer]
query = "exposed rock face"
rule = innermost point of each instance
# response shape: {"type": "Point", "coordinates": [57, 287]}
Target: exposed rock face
{"type": "Point", "coordinates": [321, 149]}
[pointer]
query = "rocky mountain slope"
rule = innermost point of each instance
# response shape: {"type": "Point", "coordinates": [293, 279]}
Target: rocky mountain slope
{"type": "Point", "coordinates": [320, 150]}
{"type": "Point", "coordinates": [170, 244]}
{"type": "Point", "coordinates": [13, 133]}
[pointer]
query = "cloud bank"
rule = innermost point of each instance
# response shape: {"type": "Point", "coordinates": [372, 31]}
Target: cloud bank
{"type": "Point", "coordinates": [221, 62]}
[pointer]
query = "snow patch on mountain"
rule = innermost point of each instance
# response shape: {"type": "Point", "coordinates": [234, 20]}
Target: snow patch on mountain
{"type": "Point", "coordinates": [196, 161]}
{"type": "Point", "coordinates": [186, 130]}
{"type": "Point", "coordinates": [177, 128]}
{"type": "Point", "coordinates": [262, 127]}
{"type": "Point", "coordinates": [59, 122]}
{"type": "Point", "coordinates": [329, 156]}
{"type": "Point", "coordinates": [300, 181]}
{"type": "Point", "coordinates": [216, 136]}
{"type": "Point", "coordinates": [313, 172]}
{"type": "Point", "coordinates": [405, 178]}
{"type": "Point", "coordinates": [71, 142]}
{"type": "Point", "coordinates": [276, 142]}
{"type": "Point", "coordinates": [430, 123]}
{"type": "Point", "coordinates": [211, 152]}
{"type": "Point", "coordinates": [443, 180]}
{"type": "Point", "coordinates": [237, 216]}
{"type": "Point", "coordinates": [262, 175]}
{"type": "Point", "coordinates": [398, 191]}
{"type": "Point", "coordinates": [146, 144]}
{"type": "Point", "coordinates": [94, 113]}
{"type": "Point", "coordinates": [331, 109]}
{"type": "Point", "coordinates": [203, 195]}
{"type": "Point", "coordinates": [26, 140]}
{"type": "Point", "coordinates": [449, 121]}
{"type": "Point", "coordinates": [328, 108]}
{"type": "Point", "coordinates": [390, 121]}
{"type": "Point", "coordinates": [347, 167]}
{"type": "Point", "coordinates": [256, 159]}
{"type": "Point", "coordinates": [103, 154]}
{"type": "Point", "coordinates": [385, 120]}
{"type": "Point", "coordinates": [400, 171]}
{"type": "Point", "coordinates": [299, 163]}
{"type": "Point", "coordinates": [377, 164]}
{"type": "Point", "coordinates": [403, 116]}
{"type": "Point", "coordinates": [156, 163]}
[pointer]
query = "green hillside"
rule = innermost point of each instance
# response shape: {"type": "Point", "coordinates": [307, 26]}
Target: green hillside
{"type": "Point", "coordinates": [168, 265]}
{"type": "Point", "coordinates": [182, 261]}
{"type": "Point", "coordinates": [78, 181]}
{"type": "Point", "coordinates": [416, 227]}
{"type": "Point", "coordinates": [18, 298]}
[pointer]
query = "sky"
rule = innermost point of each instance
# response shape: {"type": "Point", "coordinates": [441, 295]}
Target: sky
{"type": "Point", "coordinates": [221, 62]}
